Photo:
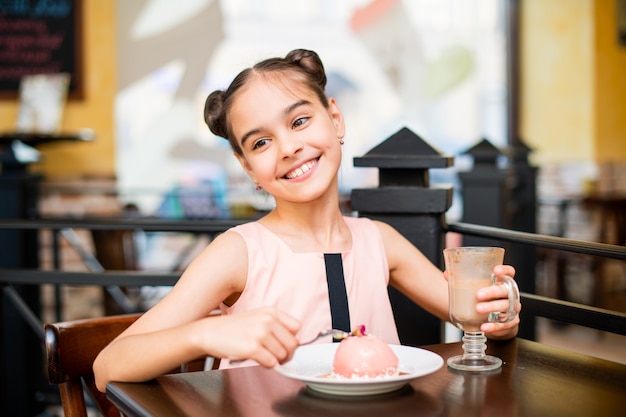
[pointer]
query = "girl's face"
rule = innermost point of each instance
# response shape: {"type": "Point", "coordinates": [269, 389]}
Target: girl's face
{"type": "Point", "coordinates": [289, 140]}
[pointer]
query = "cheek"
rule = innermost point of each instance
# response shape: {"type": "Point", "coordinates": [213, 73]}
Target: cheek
{"type": "Point", "coordinates": [262, 166]}
{"type": "Point", "coordinates": [325, 137]}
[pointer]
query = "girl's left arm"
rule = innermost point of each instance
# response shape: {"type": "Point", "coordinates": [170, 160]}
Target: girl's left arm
{"type": "Point", "coordinates": [413, 274]}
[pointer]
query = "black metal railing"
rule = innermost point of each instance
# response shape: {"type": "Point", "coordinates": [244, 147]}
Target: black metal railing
{"type": "Point", "coordinates": [541, 241]}
{"type": "Point", "coordinates": [552, 308]}
{"type": "Point", "coordinates": [534, 305]}
{"type": "Point", "coordinates": [97, 275]}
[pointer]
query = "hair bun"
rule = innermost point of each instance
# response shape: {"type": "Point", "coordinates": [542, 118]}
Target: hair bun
{"type": "Point", "coordinates": [213, 114]}
{"type": "Point", "coordinates": [310, 62]}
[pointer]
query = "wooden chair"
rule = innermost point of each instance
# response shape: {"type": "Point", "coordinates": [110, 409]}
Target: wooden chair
{"type": "Point", "coordinates": [115, 250]}
{"type": "Point", "coordinates": [72, 347]}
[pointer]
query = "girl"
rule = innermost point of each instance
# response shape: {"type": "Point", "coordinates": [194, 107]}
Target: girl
{"type": "Point", "coordinates": [268, 277]}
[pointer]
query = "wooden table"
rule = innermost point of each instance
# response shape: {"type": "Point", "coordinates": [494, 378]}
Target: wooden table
{"type": "Point", "coordinates": [535, 380]}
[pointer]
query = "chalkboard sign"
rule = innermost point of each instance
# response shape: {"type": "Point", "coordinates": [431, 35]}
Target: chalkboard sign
{"type": "Point", "coordinates": [40, 37]}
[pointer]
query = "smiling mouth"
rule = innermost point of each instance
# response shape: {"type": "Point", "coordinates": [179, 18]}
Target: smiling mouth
{"type": "Point", "coordinates": [301, 170]}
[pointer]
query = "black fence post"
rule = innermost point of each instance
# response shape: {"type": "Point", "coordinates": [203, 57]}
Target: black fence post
{"type": "Point", "coordinates": [524, 219]}
{"type": "Point", "coordinates": [485, 192]}
{"type": "Point", "coordinates": [405, 200]}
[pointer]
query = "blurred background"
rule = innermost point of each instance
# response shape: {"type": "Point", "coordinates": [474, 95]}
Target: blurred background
{"type": "Point", "coordinates": [547, 74]}
{"type": "Point", "coordinates": [438, 67]}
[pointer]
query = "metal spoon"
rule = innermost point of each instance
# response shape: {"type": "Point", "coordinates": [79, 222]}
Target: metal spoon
{"type": "Point", "coordinates": [336, 334]}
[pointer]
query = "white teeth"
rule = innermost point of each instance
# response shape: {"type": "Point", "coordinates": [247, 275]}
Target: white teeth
{"type": "Point", "coordinates": [301, 170]}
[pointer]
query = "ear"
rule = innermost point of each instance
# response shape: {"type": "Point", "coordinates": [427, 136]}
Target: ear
{"type": "Point", "coordinates": [337, 118]}
{"type": "Point", "coordinates": [246, 167]}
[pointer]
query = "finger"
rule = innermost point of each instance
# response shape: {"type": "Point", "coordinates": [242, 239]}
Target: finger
{"type": "Point", "coordinates": [279, 338]}
{"type": "Point", "coordinates": [492, 292]}
{"type": "Point", "coordinates": [276, 349]}
{"type": "Point", "coordinates": [284, 331]}
{"type": "Point", "coordinates": [265, 358]}
{"type": "Point", "coordinates": [501, 270]}
{"type": "Point", "coordinates": [290, 322]}
{"type": "Point", "coordinates": [267, 351]}
{"type": "Point", "coordinates": [493, 306]}
{"type": "Point", "coordinates": [287, 341]}
{"type": "Point", "coordinates": [499, 329]}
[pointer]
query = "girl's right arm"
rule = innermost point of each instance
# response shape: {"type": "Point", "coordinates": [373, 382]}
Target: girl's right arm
{"type": "Point", "coordinates": [180, 327]}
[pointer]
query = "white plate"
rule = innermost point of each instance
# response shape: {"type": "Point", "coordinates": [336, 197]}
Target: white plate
{"type": "Point", "coordinates": [310, 364]}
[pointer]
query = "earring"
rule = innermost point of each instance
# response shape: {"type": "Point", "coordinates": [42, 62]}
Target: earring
{"type": "Point", "coordinates": [341, 142]}
{"type": "Point", "coordinates": [258, 187]}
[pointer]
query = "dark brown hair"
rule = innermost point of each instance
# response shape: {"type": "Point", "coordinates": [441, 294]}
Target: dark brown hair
{"type": "Point", "coordinates": [305, 66]}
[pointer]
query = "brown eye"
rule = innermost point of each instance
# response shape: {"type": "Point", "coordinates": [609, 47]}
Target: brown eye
{"type": "Point", "coordinates": [259, 143]}
{"type": "Point", "coordinates": [300, 121]}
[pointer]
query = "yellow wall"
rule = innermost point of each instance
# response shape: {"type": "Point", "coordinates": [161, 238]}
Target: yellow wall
{"type": "Point", "coordinates": [610, 86]}
{"type": "Point", "coordinates": [556, 79]}
{"type": "Point", "coordinates": [572, 81]}
{"type": "Point", "coordinates": [84, 159]}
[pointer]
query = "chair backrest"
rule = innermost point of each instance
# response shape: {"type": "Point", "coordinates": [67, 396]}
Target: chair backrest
{"type": "Point", "coordinates": [115, 249]}
{"type": "Point", "coordinates": [71, 347]}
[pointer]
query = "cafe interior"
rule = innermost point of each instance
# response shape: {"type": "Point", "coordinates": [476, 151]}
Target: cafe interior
{"type": "Point", "coordinates": [120, 134]}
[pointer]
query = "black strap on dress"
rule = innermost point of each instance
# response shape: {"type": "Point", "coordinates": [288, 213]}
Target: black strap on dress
{"type": "Point", "coordinates": [337, 294]}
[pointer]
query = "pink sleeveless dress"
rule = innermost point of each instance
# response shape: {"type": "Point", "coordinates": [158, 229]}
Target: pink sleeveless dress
{"type": "Point", "coordinates": [296, 282]}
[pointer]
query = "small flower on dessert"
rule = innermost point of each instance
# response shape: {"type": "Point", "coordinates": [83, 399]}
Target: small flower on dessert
{"type": "Point", "coordinates": [359, 331]}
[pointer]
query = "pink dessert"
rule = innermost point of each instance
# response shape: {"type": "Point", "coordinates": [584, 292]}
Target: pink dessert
{"type": "Point", "coordinates": [364, 356]}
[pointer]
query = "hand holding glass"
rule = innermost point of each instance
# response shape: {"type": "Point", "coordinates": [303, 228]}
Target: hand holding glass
{"type": "Point", "coordinates": [469, 269]}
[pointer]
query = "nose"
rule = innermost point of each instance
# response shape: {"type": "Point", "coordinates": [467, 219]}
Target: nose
{"type": "Point", "coordinates": [290, 145]}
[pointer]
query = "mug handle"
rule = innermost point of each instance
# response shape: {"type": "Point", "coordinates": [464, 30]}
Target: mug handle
{"type": "Point", "coordinates": [513, 292]}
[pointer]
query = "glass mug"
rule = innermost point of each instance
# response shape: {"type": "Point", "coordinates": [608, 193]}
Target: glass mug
{"type": "Point", "coordinates": [469, 269]}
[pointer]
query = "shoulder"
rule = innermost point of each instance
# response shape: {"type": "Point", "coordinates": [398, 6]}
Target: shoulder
{"type": "Point", "coordinates": [230, 239]}
{"type": "Point", "coordinates": [250, 230]}
{"type": "Point", "coordinates": [225, 251]}
{"type": "Point", "coordinates": [216, 274]}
